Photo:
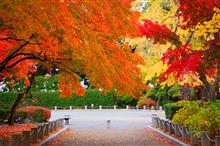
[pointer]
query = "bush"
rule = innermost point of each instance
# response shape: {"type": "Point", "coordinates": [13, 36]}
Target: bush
{"type": "Point", "coordinates": [51, 99]}
{"type": "Point", "coordinates": [38, 116]}
{"type": "Point", "coordinates": [170, 109]}
{"type": "Point", "coordinates": [145, 101]}
{"type": "Point", "coordinates": [37, 113]}
{"type": "Point", "coordinates": [198, 118]}
{"type": "Point", "coordinates": [21, 115]}
{"type": "Point", "coordinates": [163, 102]}
{"type": "Point", "coordinates": [3, 114]}
{"type": "Point", "coordinates": [124, 100]}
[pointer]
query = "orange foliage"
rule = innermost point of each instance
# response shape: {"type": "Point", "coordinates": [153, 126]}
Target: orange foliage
{"type": "Point", "coordinates": [7, 131]}
{"type": "Point", "coordinates": [76, 36]}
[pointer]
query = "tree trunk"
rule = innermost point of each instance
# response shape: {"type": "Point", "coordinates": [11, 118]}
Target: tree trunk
{"type": "Point", "coordinates": [13, 108]}
{"type": "Point", "coordinates": [11, 117]}
{"type": "Point", "coordinates": [158, 103]}
{"type": "Point", "coordinates": [217, 80]}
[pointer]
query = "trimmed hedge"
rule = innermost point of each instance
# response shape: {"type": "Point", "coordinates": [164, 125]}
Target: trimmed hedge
{"type": "Point", "coordinates": [51, 99]}
{"type": "Point", "coordinates": [37, 113]}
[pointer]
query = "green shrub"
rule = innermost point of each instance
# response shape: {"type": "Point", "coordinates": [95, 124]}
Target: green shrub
{"type": "Point", "coordinates": [198, 118]}
{"type": "Point", "coordinates": [51, 99]}
{"type": "Point", "coordinates": [170, 109]}
{"type": "Point", "coordinates": [3, 114]}
{"type": "Point", "coordinates": [163, 102]}
{"type": "Point", "coordinates": [38, 116]}
{"type": "Point", "coordinates": [188, 109]}
{"type": "Point", "coordinates": [21, 115]}
{"type": "Point", "coordinates": [124, 100]}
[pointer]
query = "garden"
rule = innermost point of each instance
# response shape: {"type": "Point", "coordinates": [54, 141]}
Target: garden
{"type": "Point", "coordinates": [147, 54]}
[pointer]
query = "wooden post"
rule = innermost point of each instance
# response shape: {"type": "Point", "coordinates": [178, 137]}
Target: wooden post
{"type": "Point", "coordinates": [204, 139]}
{"type": "Point", "coordinates": [55, 125]}
{"type": "Point", "coordinates": [4, 142]}
{"type": "Point", "coordinates": [16, 140]}
{"type": "Point", "coordinates": [194, 140]}
{"type": "Point", "coordinates": [171, 127]}
{"type": "Point", "coordinates": [166, 126]}
{"type": "Point", "coordinates": [61, 123]}
{"type": "Point", "coordinates": [185, 134]}
{"type": "Point", "coordinates": [50, 127]}
{"type": "Point", "coordinates": [46, 130]}
{"type": "Point", "coordinates": [162, 124]}
{"type": "Point", "coordinates": [157, 122]}
{"type": "Point", "coordinates": [177, 130]}
{"type": "Point", "coordinates": [33, 135]}
{"type": "Point", "coordinates": [108, 124]}
{"type": "Point", "coordinates": [26, 138]}
{"type": "Point", "coordinates": [40, 131]}
{"type": "Point", "coordinates": [217, 140]}
{"type": "Point", "coordinates": [154, 120]}
{"type": "Point", "coordinates": [58, 123]}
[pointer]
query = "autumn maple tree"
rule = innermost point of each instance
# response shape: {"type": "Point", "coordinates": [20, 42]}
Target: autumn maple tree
{"type": "Point", "coordinates": [200, 18]}
{"type": "Point", "coordinates": [76, 36]}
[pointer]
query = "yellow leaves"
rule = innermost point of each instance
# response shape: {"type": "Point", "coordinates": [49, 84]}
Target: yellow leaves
{"type": "Point", "coordinates": [153, 70]}
{"type": "Point", "coordinates": [208, 28]}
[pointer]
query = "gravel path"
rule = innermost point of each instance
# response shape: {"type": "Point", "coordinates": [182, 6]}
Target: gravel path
{"type": "Point", "coordinates": [110, 137]}
{"type": "Point", "coordinates": [127, 128]}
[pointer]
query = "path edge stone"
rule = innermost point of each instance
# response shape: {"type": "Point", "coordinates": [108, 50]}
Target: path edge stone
{"type": "Point", "coordinates": [170, 138]}
{"type": "Point", "coordinates": [52, 138]}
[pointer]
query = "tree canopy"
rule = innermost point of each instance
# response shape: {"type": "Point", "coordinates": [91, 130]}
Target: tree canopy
{"type": "Point", "coordinates": [78, 37]}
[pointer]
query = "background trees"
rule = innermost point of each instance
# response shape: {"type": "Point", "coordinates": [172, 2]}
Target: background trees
{"type": "Point", "coordinates": [192, 44]}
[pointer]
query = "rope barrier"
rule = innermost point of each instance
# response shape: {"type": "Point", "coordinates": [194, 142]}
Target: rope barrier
{"type": "Point", "coordinates": [172, 125]}
{"type": "Point", "coordinates": [181, 131]}
{"type": "Point", "coordinates": [187, 131]}
{"type": "Point", "coordinates": [209, 137]}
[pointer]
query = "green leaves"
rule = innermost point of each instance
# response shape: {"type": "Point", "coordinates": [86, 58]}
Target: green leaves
{"type": "Point", "coordinates": [198, 118]}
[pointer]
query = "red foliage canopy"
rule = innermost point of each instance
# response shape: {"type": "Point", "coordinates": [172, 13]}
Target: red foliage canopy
{"type": "Point", "coordinates": [181, 61]}
{"type": "Point", "coordinates": [197, 11]}
{"type": "Point", "coordinates": [160, 33]}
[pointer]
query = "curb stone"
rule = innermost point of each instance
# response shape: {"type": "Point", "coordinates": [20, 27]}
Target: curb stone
{"type": "Point", "coordinates": [51, 138]}
{"type": "Point", "coordinates": [172, 139]}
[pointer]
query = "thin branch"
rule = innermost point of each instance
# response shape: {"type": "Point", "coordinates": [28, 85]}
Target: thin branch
{"type": "Point", "coordinates": [10, 57]}
{"type": "Point", "coordinates": [190, 37]}
{"type": "Point", "coordinates": [25, 58]}
{"type": "Point", "coordinates": [2, 39]}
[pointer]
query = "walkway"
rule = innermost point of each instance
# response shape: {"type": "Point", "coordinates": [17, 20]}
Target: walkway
{"type": "Point", "coordinates": [127, 128]}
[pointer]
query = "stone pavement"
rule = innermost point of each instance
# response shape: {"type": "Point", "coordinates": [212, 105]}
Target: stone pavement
{"type": "Point", "coordinates": [96, 119]}
{"type": "Point", "coordinates": [127, 128]}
